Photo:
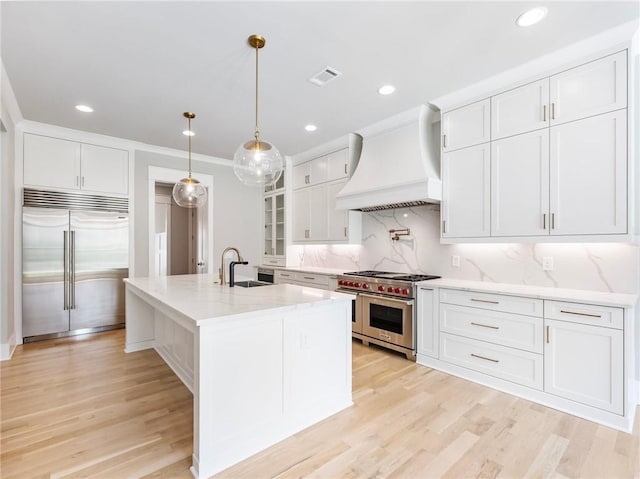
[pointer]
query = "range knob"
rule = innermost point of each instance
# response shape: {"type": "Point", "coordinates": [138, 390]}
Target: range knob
{"type": "Point", "coordinates": [389, 289]}
{"type": "Point", "coordinates": [397, 290]}
{"type": "Point", "coordinates": [365, 286]}
{"type": "Point", "coordinates": [405, 291]}
{"type": "Point", "coordinates": [380, 288]}
{"type": "Point", "coordinates": [350, 283]}
{"type": "Point", "coordinates": [341, 283]}
{"type": "Point", "coordinates": [357, 285]}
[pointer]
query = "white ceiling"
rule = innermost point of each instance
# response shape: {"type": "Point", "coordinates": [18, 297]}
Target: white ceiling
{"type": "Point", "coordinates": [141, 64]}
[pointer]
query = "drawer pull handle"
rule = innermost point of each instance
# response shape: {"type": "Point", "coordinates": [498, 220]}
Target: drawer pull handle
{"type": "Point", "coordinates": [581, 314]}
{"type": "Point", "coordinates": [309, 277]}
{"type": "Point", "coordinates": [485, 326]}
{"type": "Point", "coordinates": [484, 301]}
{"type": "Point", "coordinates": [486, 359]}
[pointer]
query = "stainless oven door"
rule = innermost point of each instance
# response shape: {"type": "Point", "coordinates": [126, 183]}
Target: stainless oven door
{"type": "Point", "coordinates": [388, 319]}
{"type": "Point", "coordinates": [356, 317]}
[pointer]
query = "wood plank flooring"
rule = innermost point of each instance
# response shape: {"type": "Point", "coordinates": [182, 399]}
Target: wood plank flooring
{"type": "Point", "coordinates": [80, 407]}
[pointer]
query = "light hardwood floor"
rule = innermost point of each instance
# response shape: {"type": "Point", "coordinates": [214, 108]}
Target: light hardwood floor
{"type": "Point", "coordinates": [80, 407]}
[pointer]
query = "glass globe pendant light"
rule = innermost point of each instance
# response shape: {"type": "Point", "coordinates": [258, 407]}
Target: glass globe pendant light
{"type": "Point", "coordinates": [189, 192]}
{"type": "Point", "coordinates": [257, 162]}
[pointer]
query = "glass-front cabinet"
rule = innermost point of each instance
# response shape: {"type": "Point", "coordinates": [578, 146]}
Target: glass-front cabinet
{"type": "Point", "coordinates": [274, 224]}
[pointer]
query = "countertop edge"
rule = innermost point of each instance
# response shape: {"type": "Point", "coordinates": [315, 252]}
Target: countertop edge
{"type": "Point", "coordinates": [622, 300]}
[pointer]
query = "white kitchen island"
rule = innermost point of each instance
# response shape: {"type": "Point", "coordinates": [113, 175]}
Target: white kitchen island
{"type": "Point", "coordinates": [262, 363]}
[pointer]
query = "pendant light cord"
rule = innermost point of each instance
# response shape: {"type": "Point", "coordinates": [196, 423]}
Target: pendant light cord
{"type": "Point", "coordinates": [257, 132]}
{"type": "Point", "coordinates": [190, 134]}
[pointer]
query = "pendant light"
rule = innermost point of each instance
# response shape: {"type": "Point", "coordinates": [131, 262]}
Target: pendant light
{"type": "Point", "coordinates": [189, 192]}
{"type": "Point", "coordinates": [257, 162]}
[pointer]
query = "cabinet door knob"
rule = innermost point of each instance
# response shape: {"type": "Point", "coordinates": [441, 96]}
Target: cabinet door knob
{"type": "Point", "coordinates": [553, 111]}
{"type": "Point", "coordinates": [544, 112]}
{"type": "Point", "coordinates": [544, 221]}
{"type": "Point", "coordinates": [444, 141]}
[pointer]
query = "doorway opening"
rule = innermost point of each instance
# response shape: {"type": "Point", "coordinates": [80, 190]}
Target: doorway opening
{"type": "Point", "coordinates": [175, 239]}
{"type": "Point", "coordinates": [179, 239]}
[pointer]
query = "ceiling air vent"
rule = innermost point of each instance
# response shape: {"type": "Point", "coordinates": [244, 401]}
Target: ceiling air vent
{"type": "Point", "coordinates": [325, 76]}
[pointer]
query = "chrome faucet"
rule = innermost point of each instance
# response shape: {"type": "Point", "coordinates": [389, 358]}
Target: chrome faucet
{"type": "Point", "coordinates": [221, 271]}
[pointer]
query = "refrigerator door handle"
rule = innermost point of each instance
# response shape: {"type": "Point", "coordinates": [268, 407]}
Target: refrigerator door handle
{"type": "Point", "coordinates": [72, 270]}
{"type": "Point", "coordinates": [65, 274]}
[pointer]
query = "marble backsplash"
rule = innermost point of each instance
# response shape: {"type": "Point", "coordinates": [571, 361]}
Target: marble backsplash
{"type": "Point", "coordinates": [613, 267]}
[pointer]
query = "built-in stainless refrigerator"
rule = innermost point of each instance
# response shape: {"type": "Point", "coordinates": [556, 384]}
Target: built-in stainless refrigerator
{"type": "Point", "coordinates": [74, 261]}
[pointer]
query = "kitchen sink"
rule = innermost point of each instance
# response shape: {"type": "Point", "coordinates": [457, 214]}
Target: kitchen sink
{"type": "Point", "coordinates": [250, 284]}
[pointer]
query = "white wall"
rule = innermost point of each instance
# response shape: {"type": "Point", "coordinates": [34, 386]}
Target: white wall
{"type": "Point", "coordinates": [9, 116]}
{"type": "Point", "coordinates": [593, 266]}
{"type": "Point", "coordinates": [236, 211]}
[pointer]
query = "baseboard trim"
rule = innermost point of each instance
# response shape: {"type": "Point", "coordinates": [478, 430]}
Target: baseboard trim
{"type": "Point", "coordinates": [7, 349]}
{"type": "Point", "coordinates": [133, 347]}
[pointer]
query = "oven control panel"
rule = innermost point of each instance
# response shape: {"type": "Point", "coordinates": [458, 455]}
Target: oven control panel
{"type": "Point", "coordinates": [386, 288]}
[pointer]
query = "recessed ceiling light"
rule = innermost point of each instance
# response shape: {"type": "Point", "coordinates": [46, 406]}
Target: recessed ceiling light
{"type": "Point", "coordinates": [386, 89]}
{"type": "Point", "coordinates": [531, 17]}
{"type": "Point", "coordinates": [311, 127]}
{"type": "Point", "coordinates": [188, 133]}
{"type": "Point", "coordinates": [84, 108]}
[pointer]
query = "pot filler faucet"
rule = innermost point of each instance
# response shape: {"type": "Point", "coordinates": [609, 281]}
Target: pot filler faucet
{"type": "Point", "coordinates": [221, 271]}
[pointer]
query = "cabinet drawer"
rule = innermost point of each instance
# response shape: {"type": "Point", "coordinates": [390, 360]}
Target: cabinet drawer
{"type": "Point", "coordinates": [584, 314]}
{"type": "Point", "coordinates": [319, 279]}
{"type": "Point", "coordinates": [506, 329]}
{"type": "Point", "coordinates": [494, 302]}
{"type": "Point", "coordinates": [510, 364]}
{"type": "Point", "coordinates": [301, 278]}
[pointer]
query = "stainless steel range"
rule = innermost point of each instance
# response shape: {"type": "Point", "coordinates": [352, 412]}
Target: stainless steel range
{"type": "Point", "coordinates": [383, 308]}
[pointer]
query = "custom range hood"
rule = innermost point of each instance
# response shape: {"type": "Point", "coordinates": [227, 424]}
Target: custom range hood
{"type": "Point", "coordinates": [398, 167]}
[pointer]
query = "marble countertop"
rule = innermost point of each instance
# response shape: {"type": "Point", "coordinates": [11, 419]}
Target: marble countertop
{"type": "Point", "coordinates": [198, 297]}
{"type": "Point", "coordinates": [309, 269]}
{"type": "Point", "coordinates": [559, 294]}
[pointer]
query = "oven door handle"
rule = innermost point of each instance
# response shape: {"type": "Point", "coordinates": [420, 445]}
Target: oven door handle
{"type": "Point", "coordinates": [387, 298]}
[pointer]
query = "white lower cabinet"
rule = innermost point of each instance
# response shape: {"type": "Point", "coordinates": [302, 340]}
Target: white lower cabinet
{"type": "Point", "coordinates": [567, 355]}
{"type": "Point", "coordinates": [428, 328]}
{"type": "Point", "coordinates": [485, 334]}
{"type": "Point", "coordinates": [301, 278]}
{"type": "Point", "coordinates": [585, 363]}
{"type": "Point", "coordinates": [510, 364]}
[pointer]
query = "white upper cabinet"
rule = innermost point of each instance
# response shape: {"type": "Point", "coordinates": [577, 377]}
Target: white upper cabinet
{"type": "Point", "coordinates": [466, 126]}
{"type": "Point", "coordinates": [56, 163]}
{"type": "Point", "coordinates": [520, 185]}
{"type": "Point", "coordinates": [588, 159]}
{"type": "Point", "coordinates": [300, 215]}
{"type": "Point", "coordinates": [310, 214]}
{"type": "Point", "coordinates": [596, 87]}
{"type": "Point", "coordinates": [104, 169]}
{"type": "Point", "coordinates": [337, 165]}
{"type": "Point", "coordinates": [466, 192]}
{"type": "Point", "coordinates": [520, 110]}
{"type": "Point", "coordinates": [559, 163]}
{"type": "Point", "coordinates": [51, 162]}
{"type": "Point", "coordinates": [315, 217]}
{"type": "Point", "coordinates": [338, 220]}
{"type": "Point", "coordinates": [310, 173]}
